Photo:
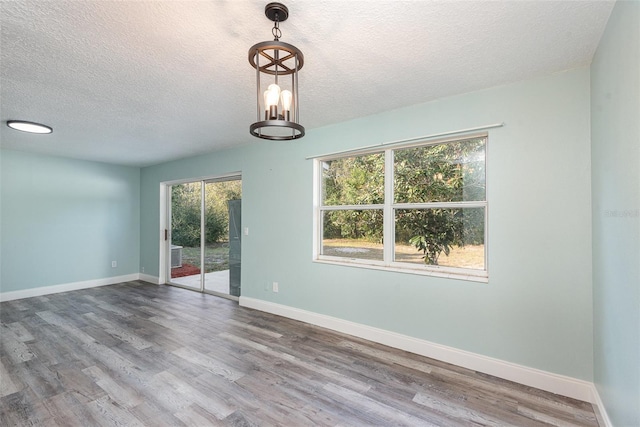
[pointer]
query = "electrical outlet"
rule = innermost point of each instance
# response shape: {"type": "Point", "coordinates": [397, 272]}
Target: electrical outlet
{"type": "Point", "coordinates": [275, 286]}
{"type": "Point", "coordinates": [246, 231]}
{"type": "Point", "coordinates": [114, 264]}
{"type": "Point", "coordinates": [143, 269]}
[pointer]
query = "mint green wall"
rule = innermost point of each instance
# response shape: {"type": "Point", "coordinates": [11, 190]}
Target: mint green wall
{"type": "Point", "coordinates": [536, 309]}
{"type": "Point", "coordinates": [615, 130]}
{"type": "Point", "coordinates": [65, 220]}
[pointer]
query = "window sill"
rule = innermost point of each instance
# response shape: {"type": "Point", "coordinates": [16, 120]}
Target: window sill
{"type": "Point", "coordinates": [480, 277]}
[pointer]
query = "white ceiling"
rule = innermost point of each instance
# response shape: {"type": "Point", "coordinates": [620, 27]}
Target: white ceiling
{"type": "Point", "coordinates": [140, 83]}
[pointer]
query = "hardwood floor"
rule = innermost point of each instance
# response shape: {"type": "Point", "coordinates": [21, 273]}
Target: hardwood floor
{"type": "Point", "coordinates": [138, 354]}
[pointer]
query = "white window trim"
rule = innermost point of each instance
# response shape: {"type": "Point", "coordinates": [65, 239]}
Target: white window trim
{"type": "Point", "coordinates": [388, 209]}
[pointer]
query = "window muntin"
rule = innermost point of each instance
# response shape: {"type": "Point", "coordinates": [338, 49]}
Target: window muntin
{"type": "Point", "coordinates": [428, 201]}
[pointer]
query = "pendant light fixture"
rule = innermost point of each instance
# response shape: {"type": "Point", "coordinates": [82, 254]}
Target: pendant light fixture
{"type": "Point", "coordinates": [277, 65]}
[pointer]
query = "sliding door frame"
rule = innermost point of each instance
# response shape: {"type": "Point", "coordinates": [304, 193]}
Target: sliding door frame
{"type": "Point", "coordinates": [165, 227]}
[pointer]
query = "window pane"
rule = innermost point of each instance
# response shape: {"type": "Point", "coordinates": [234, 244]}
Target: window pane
{"type": "Point", "coordinates": [353, 180]}
{"type": "Point", "coordinates": [186, 203]}
{"type": "Point", "coordinates": [353, 234]}
{"type": "Point", "coordinates": [446, 237]}
{"type": "Point", "coordinates": [449, 172]}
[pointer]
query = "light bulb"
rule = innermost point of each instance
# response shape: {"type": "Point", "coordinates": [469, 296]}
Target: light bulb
{"type": "Point", "coordinates": [286, 97]}
{"type": "Point", "coordinates": [275, 88]}
{"type": "Point", "coordinates": [266, 105]}
{"type": "Point", "coordinates": [271, 98]}
{"type": "Point", "coordinates": [272, 95]}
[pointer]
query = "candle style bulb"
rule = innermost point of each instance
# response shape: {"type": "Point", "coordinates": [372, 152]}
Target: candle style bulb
{"type": "Point", "coordinates": [274, 88]}
{"type": "Point", "coordinates": [272, 96]}
{"type": "Point", "coordinates": [286, 97]}
{"type": "Point", "coordinates": [266, 104]}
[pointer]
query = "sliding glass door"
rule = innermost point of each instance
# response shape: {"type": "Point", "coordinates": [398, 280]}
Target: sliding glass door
{"type": "Point", "coordinates": [186, 232]}
{"type": "Point", "coordinates": [206, 235]}
{"type": "Point", "coordinates": [222, 236]}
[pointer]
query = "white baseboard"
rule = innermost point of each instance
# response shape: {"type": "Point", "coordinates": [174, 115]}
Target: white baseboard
{"type": "Point", "coordinates": [150, 279]}
{"type": "Point", "coordinates": [598, 406]}
{"type": "Point", "coordinates": [66, 287]}
{"type": "Point", "coordinates": [554, 383]}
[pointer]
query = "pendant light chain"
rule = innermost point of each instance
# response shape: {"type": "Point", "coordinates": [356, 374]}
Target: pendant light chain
{"type": "Point", "coordinates": [276, 34]}
{"type": "Point", "coordinates": [276, 29]}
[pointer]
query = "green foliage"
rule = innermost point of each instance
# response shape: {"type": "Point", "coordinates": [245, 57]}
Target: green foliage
{"type": "Point", "coordinates": [186, 206]}
{"type": "Point", "coordinates": [185, 214]}
{"type": "Point", "coordinates": [441, 173]}
{"type": "Point", "coordinates": [451, 172]}
{"type": "Point", "coordinates": [354, 224]}
{"type": "Point", "coordinates": [217, 226]}
{"type": "Point", "coordinates": [436, 230]}
{"type": "Point", "coordinates": [354, 181]}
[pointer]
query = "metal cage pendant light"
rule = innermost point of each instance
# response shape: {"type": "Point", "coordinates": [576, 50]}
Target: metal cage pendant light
{"type": "Point", "coordinates": [276, 93]}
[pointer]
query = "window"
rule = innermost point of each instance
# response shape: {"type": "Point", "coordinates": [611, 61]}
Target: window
{"type": "Point", "coordinates": [420, 208]}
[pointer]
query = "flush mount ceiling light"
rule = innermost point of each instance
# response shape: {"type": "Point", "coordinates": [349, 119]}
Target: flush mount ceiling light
{"type": "Point", "coordinates": [275, 61]}
{"type": "Point", "coordinates": [30, 127]}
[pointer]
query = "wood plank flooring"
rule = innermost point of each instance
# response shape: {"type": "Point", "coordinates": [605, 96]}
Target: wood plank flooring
{"type": "Point", "coordinates": [136, 354]}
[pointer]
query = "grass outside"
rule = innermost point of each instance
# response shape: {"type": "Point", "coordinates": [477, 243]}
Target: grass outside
{"type": "Point", "coordinates": [216, 256]}
{"type": "Point", "coordinates": [469, 256]}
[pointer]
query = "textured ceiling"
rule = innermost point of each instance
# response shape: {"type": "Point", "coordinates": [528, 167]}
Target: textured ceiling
{"type": "Point", "coordinates": [139, 83]}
